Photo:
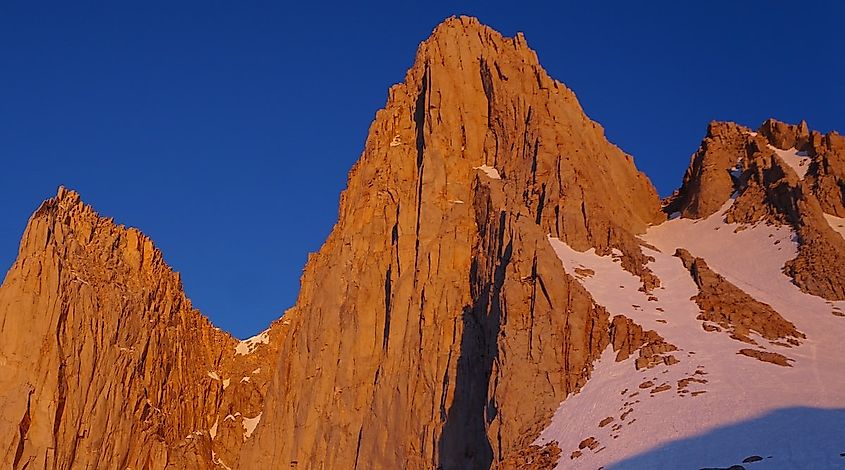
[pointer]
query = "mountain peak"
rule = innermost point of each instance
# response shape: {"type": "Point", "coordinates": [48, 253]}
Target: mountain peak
{"type": "Point", "coordinates": [98, 302]}
{"type": "Point", "coordinates": [475, 160]}
{"type": "Point", "coordinates": [64, 199]}
{"type": "Point", "coordinates": [462, 42]}
{"type": "Point", "coordinates": [470, 25]}
{"type": "Point", "coordinates": [786, 136]}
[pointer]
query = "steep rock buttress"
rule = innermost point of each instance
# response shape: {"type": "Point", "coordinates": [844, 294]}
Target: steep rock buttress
{"type": "Point", "coordinates": [437, 301]}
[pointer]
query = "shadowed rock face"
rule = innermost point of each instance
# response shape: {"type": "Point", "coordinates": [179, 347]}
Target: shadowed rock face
{"type": "Point", "coordinates": [826, 174]}
{"type": "Point", "coordinates": [437, 302]}
{"type": "Point", "coordinates": [103, 362]}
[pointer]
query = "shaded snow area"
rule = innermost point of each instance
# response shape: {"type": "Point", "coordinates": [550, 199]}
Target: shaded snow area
{"type": "Point", "coordinates": [248, 345]}
{"type": "Point", "coordinates": [736, 172]}
{"type": "Point", "coordinates": [489, 171]}
{"type": "Point", "coordinates": [734, 407]}
{"type": "Point", "coordinates": [799, 161]}
{"type": "Point", "coordinates": [836, 223]}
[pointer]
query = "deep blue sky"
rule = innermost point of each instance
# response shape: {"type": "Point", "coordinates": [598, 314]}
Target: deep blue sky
{"type": "Point", "coordinates": [225, 130]}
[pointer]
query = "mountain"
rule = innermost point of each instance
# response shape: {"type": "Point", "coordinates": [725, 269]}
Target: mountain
{"type": "Point", "coordinates": [105, 364]}
{"type": "Point", "coordinates": [503, 289]}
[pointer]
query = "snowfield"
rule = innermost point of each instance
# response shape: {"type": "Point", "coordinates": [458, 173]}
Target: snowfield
{"type": "Point", "coordinates": [790, 417]}
{"type": "Point", "coordinates": [799, 161]}
{"type": "Point", "coordinates": [248, 345]}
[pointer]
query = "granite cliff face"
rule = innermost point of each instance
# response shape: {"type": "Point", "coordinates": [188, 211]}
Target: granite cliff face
{"type": "Point", "coordinates": [104, 363]}
{"type": "Point", "coordinates": [437, 302]}
{"type": "Point", "coordinates": [493, 253]}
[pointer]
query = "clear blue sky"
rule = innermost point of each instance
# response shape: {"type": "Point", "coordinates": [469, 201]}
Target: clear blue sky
{"type": "Point", "coordinates": [224, 130]}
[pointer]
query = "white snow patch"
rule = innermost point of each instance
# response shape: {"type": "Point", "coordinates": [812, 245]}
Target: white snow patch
{"type": "Point", "coordinates": [456, 201]}
{"type": "Point", "coordinates": [248, 345]}
{"type": "Point", "coordinates": [836, 223]}
{"type": "Point", "coordinates": [249, 425]}
{"type": "Point", "coordinates": [749, 407]}
{"type": "Point", "coordinates": [799, 161]}
{"type": "Point", "coordinates": [226, 383]}
{"type": "Point", "coordinates": [244, 379]}
{"type": "Point", "coordinates": [257, 371]}
{"type": "Point", "coordinates": [489, 171]}
{"type": "Point", "coordinates": [213, 375]}
{"type": "Point", "coordinates": [213, 431]}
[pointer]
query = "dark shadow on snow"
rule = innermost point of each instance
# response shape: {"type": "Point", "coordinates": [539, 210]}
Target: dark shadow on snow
{"type": "Point", "coordinates": [787, 438]}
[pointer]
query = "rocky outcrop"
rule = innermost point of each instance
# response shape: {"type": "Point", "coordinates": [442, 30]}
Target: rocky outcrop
{"type": "Point", "coordinates": [732, 309]}
{"type": "Point", "coordinates": [785, 136]}
{"type": "Point", "coordinates": [734, 162]}
{"type": "Point", "coordinates": [627, 338]}
{"type": "Point", "coordinates": [770, 190]}
{"type": "Point", "coordinates": [767, 356]}
{"type": "Point", "coordinates": [826, 175]}
{"type": "Point", "coordinates": [708, 182]}
{"type": "Point", "coordinates": [104, 363]}
{"type": "Point", "coordinates": [440, 265]}
{"type": "Point", "coordinates": [533, 458]}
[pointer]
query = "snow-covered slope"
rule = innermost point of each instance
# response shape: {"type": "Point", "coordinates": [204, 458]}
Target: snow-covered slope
{"type": "Point", "coordinates": [734, 407]}
{"type": "Point", "coordinates": [799, 161]}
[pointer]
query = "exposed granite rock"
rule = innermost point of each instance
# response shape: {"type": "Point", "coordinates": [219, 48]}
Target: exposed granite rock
{"type": "Point", "coordinates": [533, 458]}
{"type": "Point", "coordinates": [104, 363]}
{"type": "Point", "coordinates": [826, 175]}
{"type": "Point", "coordinates": [628, 337]}
{"type": "Point", "coordinates": [766, 356]}
{"type": "Point", "coordinates": [734, 310]}
{"type": "Point", "coordinates": [707, 182]}
{"type": "Point", "coordinates": [734, 161]}
{"type": "Point", "coordinates": [786, 136]}
{"type": "Point", "coordinates": [772, 191]}
{"type": "Point", "coordinates": [440, 265]}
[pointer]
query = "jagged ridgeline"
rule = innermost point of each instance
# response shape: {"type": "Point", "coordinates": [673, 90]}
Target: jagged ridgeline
{"type": "Point", "coordinates": [502, 290]}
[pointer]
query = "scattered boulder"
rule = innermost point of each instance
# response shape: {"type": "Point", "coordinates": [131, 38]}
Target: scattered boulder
{"type": "Point", "coordinates": [766, 356]}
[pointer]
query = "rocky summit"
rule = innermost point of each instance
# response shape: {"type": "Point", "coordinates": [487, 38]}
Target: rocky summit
{"type": "Point", "coordinates": [503, 289]}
